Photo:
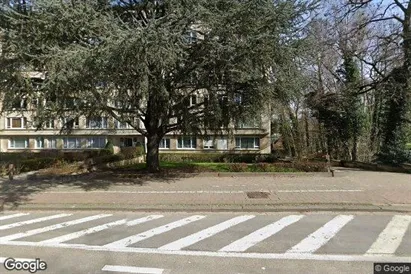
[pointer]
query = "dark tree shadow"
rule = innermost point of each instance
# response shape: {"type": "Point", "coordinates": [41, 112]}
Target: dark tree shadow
{"type": "Point", "coordinates": [16, 192]}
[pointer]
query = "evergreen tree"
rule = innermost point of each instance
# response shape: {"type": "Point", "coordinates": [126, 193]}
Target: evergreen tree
{"type": "Point", "coordinates": [142, 61]}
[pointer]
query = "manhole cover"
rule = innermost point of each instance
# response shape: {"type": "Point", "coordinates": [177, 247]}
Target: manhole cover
{"type": "Point", "coordinates": [258, 195]}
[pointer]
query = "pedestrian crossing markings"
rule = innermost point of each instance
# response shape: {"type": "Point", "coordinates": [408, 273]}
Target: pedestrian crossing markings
{"type": "Point", "coordinates": [386, 243]}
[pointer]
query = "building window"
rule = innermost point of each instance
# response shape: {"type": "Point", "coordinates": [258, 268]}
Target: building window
{"type": "Point", "coordinates": [49, 124]}
{"type": "Point", "coordinates": [129, 142]}
{"type": "Point", "coordinates": [52, 143]}
{"type": "Point", "coordinates": [16, 123]}
{"type": "Point", "coordinates": [222, 143]}
{"type": "Point", "coordinates": [164, 143]}
{"type": "Point", "coordinates": [97, 122]}
{"type": "Point", "coordinates": [208, 143]}
{"type": "Point", "coordinates": [39, 142]}
{"type": "Point", "coordinates": [71, 122]}
{"type": "Point", "coordinates": [71, 143]}
{"type": "Point", "coordinates": [19, 104]}
{"type": "Point", "coordinates": [192, 100]}
{"type": "Point", "coordinates": [187, 142]}
{"type": "Point", "coordinates": [96, 142]}
{"type": "Point", "coordinates": [122, 125]}
{"type": "Point", "coordinates": [19, 143]}
{"type": "Point", "coordinates": [249, 123]}
{"type": "Point", "coordinates": [247, 142]}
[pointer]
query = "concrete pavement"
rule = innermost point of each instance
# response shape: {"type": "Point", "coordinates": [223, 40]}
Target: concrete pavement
{"type": "Point", "coordinates": [101, 242]}
{"type": "Point", "coordinates": [348, 190]}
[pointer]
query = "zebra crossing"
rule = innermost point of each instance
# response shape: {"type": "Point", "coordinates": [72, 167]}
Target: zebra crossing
{"type": "Point", "coordinates": [281, 236]}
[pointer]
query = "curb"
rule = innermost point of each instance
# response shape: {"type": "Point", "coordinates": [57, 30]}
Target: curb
{"type": "Point", "coordinates": [262, 174]}
{"type": "Point", "coordinates": [259, 208]}
{"type": "Point", "coordinates": [33, 175]}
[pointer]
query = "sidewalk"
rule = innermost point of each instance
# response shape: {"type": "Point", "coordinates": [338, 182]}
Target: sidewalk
{"type": "Point", "coordinates": [349, 190]}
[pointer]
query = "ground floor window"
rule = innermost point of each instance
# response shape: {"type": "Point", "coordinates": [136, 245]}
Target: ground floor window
{"type": "Point", "coordinates": [222, 143]}
{"type": "Point", "coordinates": [71, 143]}
{"type": "Point", "coordinates": [19, 142]}
{"type": "Point", "coordinates": [247, 142]}
{"type": "Point", "coordinates": [208, 143]}
{"type": "Point", "coordinates": [164, 143]}
{"type": "Point", "coordinates": [130, 142]}
{"type": "Point", "coordinates": [39, 142]}
{"type": "Point", "coordinates": [187, 142]}
{"type": "Point", "coordinates": [52, 143]}
{"type": "Point", "coordinates": [96, 142]}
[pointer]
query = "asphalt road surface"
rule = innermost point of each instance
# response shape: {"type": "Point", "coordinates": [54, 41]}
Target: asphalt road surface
{"type": "Point", "coordinates": [159, 243]}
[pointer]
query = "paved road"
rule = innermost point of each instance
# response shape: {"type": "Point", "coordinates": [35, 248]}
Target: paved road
{"type": "Point", "coordinates": [352, 190]}
{"type": "Point", "coordinates": [98, 242]}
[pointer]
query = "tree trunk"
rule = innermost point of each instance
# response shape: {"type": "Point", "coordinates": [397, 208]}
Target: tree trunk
{"type": "Point", "coordinates": [354, 148]}
{"type": "Point", "coordinates": [307, 133]}
{"type": "Point", "coordinates": [152, 159]}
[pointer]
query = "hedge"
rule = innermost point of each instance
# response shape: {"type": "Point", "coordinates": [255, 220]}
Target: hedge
{"type": "Point", "coordinates": [217, 158]}
{"type": "Point", "coordinates": [108, 159]}
{"type": "Point", "coordinates": [132, 152]}
{"type": "Point", "coordinates": [36, 164]}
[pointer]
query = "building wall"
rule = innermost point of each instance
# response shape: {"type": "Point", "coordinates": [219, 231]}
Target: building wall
{"type": "Point", "coordinates": [115, 135]}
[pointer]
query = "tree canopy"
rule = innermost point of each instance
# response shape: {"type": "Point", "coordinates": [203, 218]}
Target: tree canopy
{"type": "Point", "coordinates": [142, 61]}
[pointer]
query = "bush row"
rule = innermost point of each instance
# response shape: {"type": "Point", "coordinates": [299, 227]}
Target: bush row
{"type": "Point", "coordinates": [35, 164]}
{"type": "Point", "coordinates": [69, 156]}
{"type": "Point", "coordinates": [217, 158]}
{"type": "Point", "coordinates": [279, 167]}
{"type": "Point", "coordinates": [108, 159]}
{"type": "Point", "coordinates": [132, 152]}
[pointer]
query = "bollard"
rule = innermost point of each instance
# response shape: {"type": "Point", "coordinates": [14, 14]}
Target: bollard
{"type": "Point", "coordinates": [329, 165]}
{"type": "Point", "coordinates": [11, 170]}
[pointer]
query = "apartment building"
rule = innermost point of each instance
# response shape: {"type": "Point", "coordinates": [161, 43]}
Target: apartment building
{"type": "Point", "coordinates": [18, 133]}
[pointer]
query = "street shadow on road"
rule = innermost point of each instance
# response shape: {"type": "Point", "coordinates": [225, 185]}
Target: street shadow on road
{"type": "Point", "coordinates": [14, 193]}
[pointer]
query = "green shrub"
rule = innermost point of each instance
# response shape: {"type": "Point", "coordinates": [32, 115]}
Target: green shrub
{"type": "Point", "coordinates": [109, 147]}
{"type": "Point", "coordinates": [36, 164]}
{"type": "Point", "coordinates": [261, 167]}
{"type": "Point", "coordinates": [132, 152]}
{"type": "Point", "coordinates": [217, 157]}
{"type": "Point", "coordinates": [310, 166]}
{"type": "Point", "coordinates": [76, 156]}
{"type": "Point", "coordinates": [104, 152]}
{"type": "Point", "coordinates": [108, 159]}
{"type": "Point", "coordinates": [190, 157]}
{"type": "Point", "coordinates": [238, 167]}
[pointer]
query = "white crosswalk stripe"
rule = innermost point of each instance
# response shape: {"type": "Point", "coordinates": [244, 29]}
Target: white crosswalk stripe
{"type": "Point", "coordinates": [51, 227]}
{"type": "Point", "coordinates": [261, 234]}
{"type": "Point", "coordinates": [33, 221]}
{"type": "Point", "coordinates": [84, 232]}
{"type": "Point", "coordinates": [320, 237]}
{"type": "Point", "coordinates": [143, 220]}
{"type": "Point", "coordinates": [6, 217]}
{"type": "Point", "coordinates": [391, 237]}
{"type": "Point", "coordinates": [95, 229]}
{"type": "Point", "coordinates": [132, 269]}
{"type": "Point", "coordinates": [153, 232]}
{"type": "Point", "coordinates": [206, 233]}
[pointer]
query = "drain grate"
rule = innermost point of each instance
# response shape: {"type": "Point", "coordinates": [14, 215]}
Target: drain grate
{"type": "Point", "coordinates": [258, 195]}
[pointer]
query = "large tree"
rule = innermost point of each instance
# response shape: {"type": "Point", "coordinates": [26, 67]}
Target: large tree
{"type": "Point", "coordinates": [393, 67]}
{"type": "Point", "coordinates": [141, 61]}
